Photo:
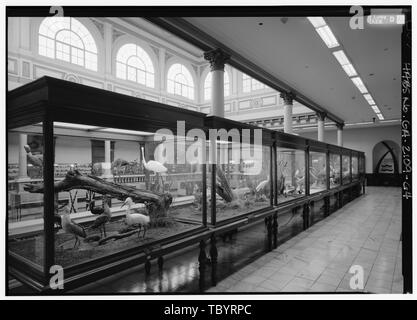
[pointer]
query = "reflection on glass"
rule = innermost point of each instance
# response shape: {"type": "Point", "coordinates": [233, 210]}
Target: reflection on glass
{"type": "Point", "coordinates": [317, 172]}
{"type": "Point", "coordinates": [334, 170]}
{"type": "Point", "coordinates": [355, 172]}
{"type": "Point", "coordinates": [290, 174]}
{"type": "Point", "coordinates": [243, 182]}
{"type": "Point", "coordinates": [361, 166]}
{"type": "Point", "coordinates": [115, 191]}
{"type": "Point", "coordinates": [345, 169]}
{"type": "Point", "coordinates": [25, 206]}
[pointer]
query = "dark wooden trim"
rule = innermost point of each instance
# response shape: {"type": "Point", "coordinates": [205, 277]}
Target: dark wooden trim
{"type": "Point", "coordinates": [48, 195]}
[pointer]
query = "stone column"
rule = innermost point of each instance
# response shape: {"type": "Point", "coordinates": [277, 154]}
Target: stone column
{"type": "Point", "coordinates": [108, 40]}
{"type": "Point", "coordinates": [23, 165]}
{"type": "Point", "coordinates": [107, 174]}
{"type": "Point", "coordinates": [217, 59]}
{"type": "Point", "coordinates": [321, 116]}
{"type": "Point", "coordinates": [288, 100]}
{"type": "Point", "coordinates": [340, 134]}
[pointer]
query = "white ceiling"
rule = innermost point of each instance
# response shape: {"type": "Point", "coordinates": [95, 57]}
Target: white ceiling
{"type": "Point", "coordinates": [294, 53]}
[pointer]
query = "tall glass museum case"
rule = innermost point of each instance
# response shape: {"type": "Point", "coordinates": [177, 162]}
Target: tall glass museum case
{"type": "Point", "coordinates": [239, 169]}
{"type": "Point", "coordinates": [96, 177]}
{"type": "Point", "coordinates": [98, 180]}
{"type": "Point", "coordinates": [346, 167]}
{"type": "Point", "coordinates": [290, 167]}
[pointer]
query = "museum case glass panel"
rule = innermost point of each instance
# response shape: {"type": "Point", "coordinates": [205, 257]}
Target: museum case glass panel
{"type": "Point", "coordinates": [355, 172]}
{"type": "Point", "coordinates": [318, 176]}
{"type": "Point", "coordinates": [243, 179]}
{"type": "Point", "coordinates": [361, 165]}
{"type": "Point", "coordinates": [25, 210]}
{"type": "Point", "coordinates": [346, 169]}
{"type": "Point", "coordinates": [290, 174]}
{"type": "Point", "coordinates": [118, 189]}
{"type": "Point", "coordinates": [334, 170]}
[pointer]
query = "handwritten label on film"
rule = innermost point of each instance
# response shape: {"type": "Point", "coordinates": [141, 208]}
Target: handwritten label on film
{"type": "Point", "coordinates": [406, 129]}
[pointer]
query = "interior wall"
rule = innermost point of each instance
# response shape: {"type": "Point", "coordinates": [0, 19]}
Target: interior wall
{"type": "Point", "coordinates": [72, 150]}
{"type": "Point", "coordinates": [362, 139]}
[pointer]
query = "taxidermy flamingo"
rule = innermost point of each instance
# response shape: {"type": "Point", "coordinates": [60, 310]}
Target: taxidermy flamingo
{"type": "Point", "coordinates": [71, 227]}
{"type": "Point", "coordinates": [36, 160]}
{"type": "Point", "coordinates": [153, 165]}
{"type": "Point", "coordinates": [135, 219]}
{"type": "Point", "coordinates": [102, 219]}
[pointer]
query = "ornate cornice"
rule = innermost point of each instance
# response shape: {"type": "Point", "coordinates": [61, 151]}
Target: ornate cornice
{"type": "Point", "coordinates": [340, 125]}
{"type": "Point", "coordinates": [321, 115]}
{"type": "Point", "coordinates": [288, 97]}
{"type": "Point", "coordinates": [217, 59]}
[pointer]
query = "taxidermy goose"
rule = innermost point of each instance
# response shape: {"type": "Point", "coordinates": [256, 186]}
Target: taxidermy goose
{"type": "Point", "coordinates": [135, 219]}
{"type": "Point", "coordinates": [35, 160]}
{"type": "Point", "coordinates": [71, 227]}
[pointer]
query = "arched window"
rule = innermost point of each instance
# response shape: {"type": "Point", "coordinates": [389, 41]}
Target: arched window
{"type": "Point", "coordinates": [207, 86]}
{"type": "Point", "coordinates": [251, 84]}
{"type": "Point", "coordinates": [180, 81]}
{"type": "Point", "coordinates": [134, 64]}
{"type": "Point", "coordinates": [67, 39]}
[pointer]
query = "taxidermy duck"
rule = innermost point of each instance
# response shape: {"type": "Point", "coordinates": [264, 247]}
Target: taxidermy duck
{"type": "Point", "coordinates": [135, 219]}
{"type": "Point", "coordinates": [71, 227]}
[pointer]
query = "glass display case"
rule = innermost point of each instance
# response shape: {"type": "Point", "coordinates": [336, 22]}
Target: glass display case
{"type": "Point", "coordinates": [290, 173]}
{"type": "Point", "coordinates": [355, 167]}
{"type": "Point", "coordinates": [361, 165]}
{"type": "Point", "coordinates": [346, 172]}
{"type": "Point", "coordinates": [239, 171]}
{"type": "Point", "coordinates": [93, 188]}
{"type": "Point", "coordinates": [318, 169]}
{"type": "Point", "coordinates": [334, 171]}
{"type": "Point", "coordinates": [90, 184]}
{"type": "Point", "coordinates": [25, 150]}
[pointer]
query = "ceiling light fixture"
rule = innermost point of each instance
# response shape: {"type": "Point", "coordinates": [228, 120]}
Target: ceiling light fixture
{"type": "Point", "coordinates": [359, 84]}
{"type": "Point", "coordinates": [376, 109]}
{"type": "Point", "coordinates": [358, 123]}
{"type": "Point", "coordinates": [324, 31]}
{"type": "Point", "coordinates": [345, 63]}
{"type": "Point", "coordinates": [369, 98]}
{"type": "Point", "coordinates": [317, 22]}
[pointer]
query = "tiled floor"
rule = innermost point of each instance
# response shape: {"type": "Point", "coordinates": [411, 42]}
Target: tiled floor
{"type": "Point", "coordinates": [365, 233]}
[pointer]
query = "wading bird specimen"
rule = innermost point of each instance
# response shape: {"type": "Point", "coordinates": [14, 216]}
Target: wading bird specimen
{"type": "Point", "coordinates": [102, 219]}
{"type": "Point", "coordinates": [135, 219]}
{"type": "Point", "coordinates": [71, 227]}
{"type": "Point", "coordinates": [154, 166]}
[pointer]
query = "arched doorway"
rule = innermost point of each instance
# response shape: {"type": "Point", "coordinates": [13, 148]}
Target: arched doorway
{"type": "Point", "coordinates": [385, 157]}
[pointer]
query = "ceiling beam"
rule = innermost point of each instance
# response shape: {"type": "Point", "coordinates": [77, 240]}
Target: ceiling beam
{"type": "Point", "coordinates": [187, 31]}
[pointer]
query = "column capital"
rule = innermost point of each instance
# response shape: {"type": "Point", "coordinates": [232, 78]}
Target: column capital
{"type": "Point", "coordinates": [217, 59]}
{"type": "Point", "coordinates": [340, 125]}
{"type": "Point", "coordinates": [321, 115]}
{"type": "Point", "coordinates": [288, 97]}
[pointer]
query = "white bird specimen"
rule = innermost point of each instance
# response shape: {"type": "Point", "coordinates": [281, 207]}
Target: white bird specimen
{"type": "Point", "coordinates": [135, 219]}
{"type": "Point", "coordinates": [71, 227]}
{"type": "Point", "coordinates": [261, 185]}
{"type": "Point", "coordinates": [36, 160]}
{"type": "Point", "coordinates": [154, 166]}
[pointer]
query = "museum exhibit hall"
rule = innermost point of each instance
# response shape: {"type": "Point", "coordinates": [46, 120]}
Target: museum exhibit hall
{"type": "Point", "coordinates": [204, 155]}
